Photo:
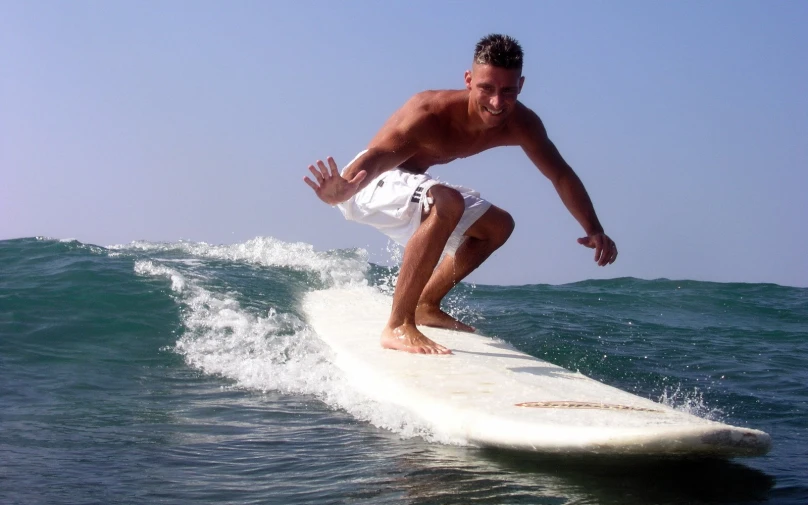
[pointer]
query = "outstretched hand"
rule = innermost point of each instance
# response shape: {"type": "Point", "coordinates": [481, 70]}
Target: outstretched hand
{"type": "Point", "coordinates": [605, 248]}
{"type": "Point", "coordinates": [331, 187]}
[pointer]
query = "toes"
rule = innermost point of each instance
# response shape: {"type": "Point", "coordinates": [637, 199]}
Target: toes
{"type": "Point", "coordinates": [442, 350]}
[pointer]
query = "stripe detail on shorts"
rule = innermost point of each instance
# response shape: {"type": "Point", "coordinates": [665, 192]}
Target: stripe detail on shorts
{"type": "Point", "coordinates": [418, 194]}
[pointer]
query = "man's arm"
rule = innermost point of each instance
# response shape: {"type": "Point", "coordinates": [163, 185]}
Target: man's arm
{"type": "Point", "coordinates": [544, 154]}
{"type": "Point", "coordinates": [394, 144]}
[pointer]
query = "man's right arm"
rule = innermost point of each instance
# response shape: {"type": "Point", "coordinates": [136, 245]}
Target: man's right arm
{"type": "Point", "coordinates": [398, 139]}
{"type": "Point", "coordinates": [395, 143]}
{"type": "Point", "coordinates": [375, 161]}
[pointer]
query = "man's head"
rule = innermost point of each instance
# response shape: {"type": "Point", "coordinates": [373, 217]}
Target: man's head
{"type": "Point", "coordinates": [495, 79]}
{"type": "Point", "coordinates": [499, 51]}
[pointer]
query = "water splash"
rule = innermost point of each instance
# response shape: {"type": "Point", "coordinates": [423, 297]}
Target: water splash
{"type": "Point", "coordinates": [387, 282]}
{"type": "Point", "coordinates": [270, 350]}
{"type": "Point", "coordinates": [690, 402]}
{"type": "Point", "coordinates": [335, 268]}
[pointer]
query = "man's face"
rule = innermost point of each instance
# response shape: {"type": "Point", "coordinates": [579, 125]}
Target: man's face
{"type": "Point", "coordinates": [494, 91]}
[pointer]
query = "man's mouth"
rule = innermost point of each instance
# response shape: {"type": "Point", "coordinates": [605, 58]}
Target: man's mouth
{"type": "Point", "coordinates": [494, 112]}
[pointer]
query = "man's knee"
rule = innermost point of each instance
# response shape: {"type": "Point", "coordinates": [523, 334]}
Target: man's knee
{"type": "Point", "coordinates": [448, 203]}
{"type": "Point", "coordinates": [502, 231]}
{"type": "Point", "coordinates": [495, 226]}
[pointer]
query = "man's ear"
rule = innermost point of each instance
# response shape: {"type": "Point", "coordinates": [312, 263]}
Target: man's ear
{"type": "Point", "coordinates": [468, 79]}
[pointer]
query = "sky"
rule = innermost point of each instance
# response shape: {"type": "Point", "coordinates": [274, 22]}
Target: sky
{"type": "Point", "coordinates": [144, 120]}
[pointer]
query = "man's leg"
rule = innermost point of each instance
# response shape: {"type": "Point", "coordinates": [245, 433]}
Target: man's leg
{"type": "Point", "coordinates": [483, 237]}
{"type": "Point", "coordinates": [421, 254]}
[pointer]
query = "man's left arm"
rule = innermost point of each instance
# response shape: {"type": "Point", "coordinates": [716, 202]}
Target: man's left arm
{"type": "Point", "coordinates": [544, 154]}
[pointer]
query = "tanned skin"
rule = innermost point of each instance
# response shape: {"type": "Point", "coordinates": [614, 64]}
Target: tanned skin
{"type": "Point", "coordinates": [437, 127]}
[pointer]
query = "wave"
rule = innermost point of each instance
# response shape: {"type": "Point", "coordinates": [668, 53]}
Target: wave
{"type": "Point", "coordinates": [240, 319]}
{"type": "Point", "coordinates": [271, 349]}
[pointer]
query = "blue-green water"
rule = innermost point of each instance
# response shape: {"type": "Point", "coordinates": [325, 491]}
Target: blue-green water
{"type": "Point", "coordinates": [185, 372]}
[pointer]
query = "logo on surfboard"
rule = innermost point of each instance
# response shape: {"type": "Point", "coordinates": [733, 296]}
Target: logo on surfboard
{"type": "Point", "coordinates": [585, 405]}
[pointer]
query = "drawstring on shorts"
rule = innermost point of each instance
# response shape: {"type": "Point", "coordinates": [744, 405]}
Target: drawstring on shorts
{"type": "Point", "coordinates": [417, 196]}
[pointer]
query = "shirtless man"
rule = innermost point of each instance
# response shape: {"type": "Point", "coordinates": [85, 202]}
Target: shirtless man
{"type": "Point", "coordinates": [387, 187]}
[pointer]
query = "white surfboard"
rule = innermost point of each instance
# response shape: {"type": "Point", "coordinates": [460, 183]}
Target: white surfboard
{"type": "Point", "coordinates": [492, 395]}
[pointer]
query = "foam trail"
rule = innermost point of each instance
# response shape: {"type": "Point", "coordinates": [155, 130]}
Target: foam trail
{"type": "Point", "coordinates": [274, 350]}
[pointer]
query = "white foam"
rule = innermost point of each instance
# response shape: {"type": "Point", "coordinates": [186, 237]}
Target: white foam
{"type": "Point", "coordinates": [269, 351]}
{"type": "Point", "coordinates": [334, 267]}
{"type": "Point", "coordinates": [387, 283]}
{"type": "Point", "coordinates": [149, 268]}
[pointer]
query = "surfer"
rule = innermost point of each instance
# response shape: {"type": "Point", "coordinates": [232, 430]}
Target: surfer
{"type": "Point", "coordinates": [387, 187]}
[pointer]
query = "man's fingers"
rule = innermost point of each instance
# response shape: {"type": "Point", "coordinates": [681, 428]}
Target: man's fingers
{"type": "Point", "coordinates": [598, 248]}
{"type": "Point", "coordinates": [358, 178]}
{"type": "Point", "coordinates": [323, 169]}
{"type": "Point", "coordinates": [333, 165]}
{"type": "Point", "coordinates": [311, 184]}
{"type": "Point", "coordinates": [609, 253]}
{"type": "Point", "coordinates": [605, 256]}
{"type": "Point", "coordinates": [316, 173]}
{"type": "Point", "coordinates": [605, 248]}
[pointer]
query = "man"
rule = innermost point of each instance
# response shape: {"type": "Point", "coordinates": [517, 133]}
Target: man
{"type": "Point", "coordinates": [387, 187]}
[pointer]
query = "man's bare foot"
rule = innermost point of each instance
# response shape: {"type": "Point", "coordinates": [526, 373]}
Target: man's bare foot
{"type": "Point", "coordinates": [431, 315]}
{"type": "Point", "coordinates": [409, 339]}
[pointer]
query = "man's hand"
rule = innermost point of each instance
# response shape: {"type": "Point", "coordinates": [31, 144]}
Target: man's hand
{"type": "Point", "coordinates": [331, 187]}
{"type": "Point", "coordinates": [605, 248]}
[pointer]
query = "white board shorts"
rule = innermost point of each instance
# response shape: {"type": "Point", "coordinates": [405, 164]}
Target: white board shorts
{"type": "Point", "coordinates": [393, 201]}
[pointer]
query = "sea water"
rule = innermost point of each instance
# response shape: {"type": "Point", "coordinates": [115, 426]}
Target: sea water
{"type": "Point", "coordinates": [186, 372]}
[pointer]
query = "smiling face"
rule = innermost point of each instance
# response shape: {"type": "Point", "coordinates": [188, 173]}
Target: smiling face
{"type": "Point", "coordinates": [493, 92]}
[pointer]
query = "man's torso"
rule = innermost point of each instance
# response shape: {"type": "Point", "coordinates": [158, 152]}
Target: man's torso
{"type": "Point", "coordinates": [446, 135]}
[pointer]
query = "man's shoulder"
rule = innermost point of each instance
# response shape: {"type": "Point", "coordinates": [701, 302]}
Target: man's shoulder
{"type": "Point", "coordinates": [436, 101]}
{"type": "Point", "coordinates": [422, 115]}
{"type": "Point", "coordinates": [428, 111]}
{"type": "Point", "coordinates": [525, 115]}
{"type": "Point", "coordinates": [525, 122]}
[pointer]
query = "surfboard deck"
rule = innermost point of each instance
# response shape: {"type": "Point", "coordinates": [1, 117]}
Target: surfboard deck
{"type": "Point", "coordinates": [492, 395]}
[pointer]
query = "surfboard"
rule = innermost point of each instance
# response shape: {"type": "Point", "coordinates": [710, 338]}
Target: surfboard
{"type": "Point", "coordinates": [492, 395]}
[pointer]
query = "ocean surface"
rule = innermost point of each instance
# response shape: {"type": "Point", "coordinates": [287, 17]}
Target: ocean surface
{"type": "Point", "coordinates": [186, 373]}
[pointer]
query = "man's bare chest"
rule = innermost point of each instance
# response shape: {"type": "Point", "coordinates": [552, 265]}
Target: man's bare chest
{"type": "Point", "coordinates": [446, 150]}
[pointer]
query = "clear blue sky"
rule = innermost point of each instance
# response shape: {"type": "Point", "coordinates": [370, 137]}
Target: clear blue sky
{"type": "Point", "coordinates": [686, 120]}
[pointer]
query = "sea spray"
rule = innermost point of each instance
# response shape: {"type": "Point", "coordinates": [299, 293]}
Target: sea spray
{"type": "Point", "coordinates": [691, 402]}
{"type": "Point", "coordinates": [274, 350]}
